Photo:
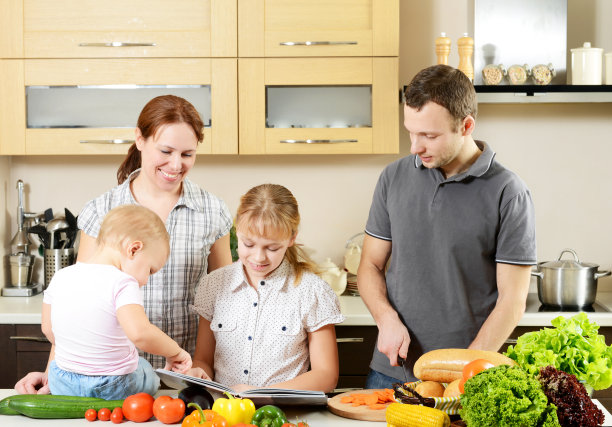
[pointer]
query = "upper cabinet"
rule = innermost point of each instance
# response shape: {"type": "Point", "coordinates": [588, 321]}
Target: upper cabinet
{"type": "Point", "coordinates": [90, 106]}
{"type": "Point", "coordinates": [116, 28]}
{"type": "Point", "coordinates": [267, 76]}
{"type": "Point", "coordinates": [297, 28]}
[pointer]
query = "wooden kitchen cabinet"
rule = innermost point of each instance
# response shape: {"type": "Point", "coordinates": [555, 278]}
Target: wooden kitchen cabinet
{"type": "Point", "coordinates": [18, 136]}
{"type": "Point", "coordinates": [115, 28]}
{"type": "Point", "coordinates": [355, 347]}
{"type": "Point", "coordinates": [301, 28]}
{"type": "Point", "coordinates": [257, 75]}
{"type": "Point", "coordinates": [25, 349]}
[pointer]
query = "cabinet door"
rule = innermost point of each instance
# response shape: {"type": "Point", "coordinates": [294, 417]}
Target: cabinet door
{"type": "Point", "coordinates": [318, 28]}
{"type": "Point", "coordinates": [318, 105]}
{"type": "Point", "coordinates": [136, 28]}
{"type": "Point", "coordinates": [74, 106]}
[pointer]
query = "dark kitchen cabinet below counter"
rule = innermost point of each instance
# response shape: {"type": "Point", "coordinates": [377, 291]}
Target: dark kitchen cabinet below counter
{"type": "Point", "coordinates": [355, 347]}
{"type": "Point", "coordinates": [23, 351]}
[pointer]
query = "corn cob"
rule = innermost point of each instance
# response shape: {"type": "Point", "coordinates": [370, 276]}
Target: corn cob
{"type": "Point", "coordinates": [403, 415]}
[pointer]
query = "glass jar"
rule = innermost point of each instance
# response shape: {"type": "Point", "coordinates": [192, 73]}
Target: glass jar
{"type": "Point", "coordinates": [542, 74]}
{"type": "Point", "coordinates": [517, 74]}
{"type": "Point", "coordinates": [493, 74]}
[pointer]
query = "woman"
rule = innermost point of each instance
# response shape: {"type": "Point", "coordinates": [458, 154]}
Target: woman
{"type": "Point", "coordinates": [154, 175]}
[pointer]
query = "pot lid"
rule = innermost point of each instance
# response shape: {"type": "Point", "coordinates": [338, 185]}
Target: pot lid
{"type": "Point", "coordinates": [568, 264]}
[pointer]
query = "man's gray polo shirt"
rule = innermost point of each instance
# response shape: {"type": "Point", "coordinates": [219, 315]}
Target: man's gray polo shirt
{"type": "Point", "coordinates": [447, 236]}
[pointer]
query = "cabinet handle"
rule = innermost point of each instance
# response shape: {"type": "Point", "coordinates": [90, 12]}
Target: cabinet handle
{"type": "Point", "coordinates": [319, 43]}
{"type": "Point", "coordinates": [115, 44]}
{"type": "Point", "coordinates": [511, 341]}
{"type": "Point", "coordinates": [39, 339]}
{"type": "Point", "coordinates": [349, 339]}
{"type": "Point", "coordinates": [106, 141]}
{"type": "Point", "coordinates": [316, 141]}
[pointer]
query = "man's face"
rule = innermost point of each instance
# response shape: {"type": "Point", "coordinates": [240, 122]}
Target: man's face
{"type": "Point", "coordinates": [433, 135]}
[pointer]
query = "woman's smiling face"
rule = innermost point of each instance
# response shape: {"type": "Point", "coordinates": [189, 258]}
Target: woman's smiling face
{"type": "Point", "coordinates": [168, 155]}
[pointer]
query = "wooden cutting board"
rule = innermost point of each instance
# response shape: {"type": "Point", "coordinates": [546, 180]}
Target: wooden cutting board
{"type": "Point", "coordinates": [362, 412]}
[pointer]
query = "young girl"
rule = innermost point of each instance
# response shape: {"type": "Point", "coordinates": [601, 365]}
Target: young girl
{"type": "Point", "coordinates": [93, 314]}
{"type": "Point", "coordinates": [267, 319]}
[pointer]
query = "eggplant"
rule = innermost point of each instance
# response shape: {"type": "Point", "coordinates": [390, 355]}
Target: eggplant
{"type": "Point", "coordinates": [196, 394]}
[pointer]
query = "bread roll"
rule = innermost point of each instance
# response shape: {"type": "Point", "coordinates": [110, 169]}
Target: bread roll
{"type": "Point", "coordinates": [430, 389]}
{"type": "Point", "coordinates": [446, 365]}
{"type": "Point", "coordinates": [452, 390]}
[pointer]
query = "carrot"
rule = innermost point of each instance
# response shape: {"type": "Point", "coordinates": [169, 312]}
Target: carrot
{"type": "Point", "coordinates": [375, 400]}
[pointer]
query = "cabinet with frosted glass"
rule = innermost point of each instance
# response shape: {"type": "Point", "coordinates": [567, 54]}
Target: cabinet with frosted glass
{"type": "Point", "coordinates": [90, 106]}
{"type": "Point", "coordinates": [318, 105]}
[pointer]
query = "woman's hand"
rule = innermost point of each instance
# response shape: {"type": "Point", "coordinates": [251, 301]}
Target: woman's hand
{"type": "Point", "coordinates": [29, 384]}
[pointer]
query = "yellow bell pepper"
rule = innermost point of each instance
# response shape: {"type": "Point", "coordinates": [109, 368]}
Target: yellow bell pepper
{"type": "Point", "coordinates": [234, 410]}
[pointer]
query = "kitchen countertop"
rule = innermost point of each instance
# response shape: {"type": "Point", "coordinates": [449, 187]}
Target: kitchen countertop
{"type": "Point", "coordinates": [26, 310]}
{"type": "Point", "coordinates": [316, 417]}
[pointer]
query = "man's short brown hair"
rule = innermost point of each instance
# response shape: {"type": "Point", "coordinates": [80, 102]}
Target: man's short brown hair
{"type": "Point", "coordinates": [447, 87]}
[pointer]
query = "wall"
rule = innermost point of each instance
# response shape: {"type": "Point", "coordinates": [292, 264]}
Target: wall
{"type": "Point", "coordinates": [562, 151]}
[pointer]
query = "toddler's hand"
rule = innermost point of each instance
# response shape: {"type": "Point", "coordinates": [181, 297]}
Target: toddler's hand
{"type": "Point", "coordinates": [180, 362]}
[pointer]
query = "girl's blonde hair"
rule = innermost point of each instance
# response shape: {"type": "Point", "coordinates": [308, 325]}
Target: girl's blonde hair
{"type": "Point", "coordinates": [131, 223]}
{"type": "Point", "coordinates": [271, 211]}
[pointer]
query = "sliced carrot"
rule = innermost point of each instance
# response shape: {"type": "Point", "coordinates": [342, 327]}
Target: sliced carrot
{"type": "Point", "coordinates": [377, 406]}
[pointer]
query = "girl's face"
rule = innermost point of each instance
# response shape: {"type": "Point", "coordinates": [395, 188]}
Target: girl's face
{"type": "Point", "coordinates": [168, 155]}
{"type": "Point", "coordinates": [141, 261]}
{"type": "Point", "coordinates": [261, 256]}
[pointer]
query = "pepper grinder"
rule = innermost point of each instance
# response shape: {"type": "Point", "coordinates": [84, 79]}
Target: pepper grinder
{"type": "Point", "coordinates": [466, 49]}
{"type": "Point", "coordinates": [443, 47]}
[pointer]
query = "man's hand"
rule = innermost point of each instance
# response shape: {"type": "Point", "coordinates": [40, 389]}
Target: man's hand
{"type": "Point", "coordinates": [393, 338]}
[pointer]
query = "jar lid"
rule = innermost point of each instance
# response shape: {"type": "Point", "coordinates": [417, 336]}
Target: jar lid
{"type": "Point", "coordinates": [586, 47]}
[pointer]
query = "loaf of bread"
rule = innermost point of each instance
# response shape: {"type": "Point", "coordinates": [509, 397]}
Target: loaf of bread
{"type": "Point", "coordinates": [429, 389]}
{"type": "Point", "coordinates": [446, 365]}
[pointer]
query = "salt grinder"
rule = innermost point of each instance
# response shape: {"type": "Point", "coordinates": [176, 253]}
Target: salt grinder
{"type": "Point", "coordinates": [443, 47]}
{"type": "Point", "coordinates": [466, 49]}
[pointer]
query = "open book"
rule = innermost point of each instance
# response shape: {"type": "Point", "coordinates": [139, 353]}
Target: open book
{"type": "Point", "coordinates": [259, 396]}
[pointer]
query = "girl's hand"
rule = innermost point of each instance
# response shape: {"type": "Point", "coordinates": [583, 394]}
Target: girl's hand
{"type": "Point", "coordinates": [242, 387]}
{"type": "Point", "coordinates": [180, 362]}
{"type": "Point", "coordinates": [199, 373]}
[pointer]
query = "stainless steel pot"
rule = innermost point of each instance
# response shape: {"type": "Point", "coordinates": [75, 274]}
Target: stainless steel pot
{"type": "Point", "coordinates": [568, 283]}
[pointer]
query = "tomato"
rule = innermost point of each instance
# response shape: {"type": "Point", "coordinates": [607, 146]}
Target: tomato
{"type": "Point", "coordinates": [460, 385]}
{"type": "Point", "coordinates": [168, 410]}
{"type": "Point", "coordinates": [104, 414]}
{"type": "Point", "coordinates": [474, 367]}
{"type": "Point", "coordinates": [302, 424]}
{"type": "Point", "coordinates": [117, 416]}
{"type": "Point", "coordinates": [91, 415]}
{"type": "Point", "coordinates": [138, 407]}
{"type": "Point", "coordinates": [288, 425]}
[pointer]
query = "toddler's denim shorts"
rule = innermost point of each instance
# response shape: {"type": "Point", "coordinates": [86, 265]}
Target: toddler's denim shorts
{"type": "Point", "coordinates": [109, 387]}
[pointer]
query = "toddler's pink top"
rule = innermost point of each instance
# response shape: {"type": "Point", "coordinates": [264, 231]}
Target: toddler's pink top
{"type": "Point", "coordinates": [84, 299]}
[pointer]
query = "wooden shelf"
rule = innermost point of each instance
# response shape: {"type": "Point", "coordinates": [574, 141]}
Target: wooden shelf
{"type": "Point", "coordinates": [543, 94]}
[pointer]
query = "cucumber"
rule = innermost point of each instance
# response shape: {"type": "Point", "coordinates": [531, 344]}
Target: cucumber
{"type": "Point", "coordinates": [52, 406]}
{"type": "Point", "coordinates": [6, 410]}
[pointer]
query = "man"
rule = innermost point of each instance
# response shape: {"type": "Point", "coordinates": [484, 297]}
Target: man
{"type": "Point", "coordinates": [457, 229]}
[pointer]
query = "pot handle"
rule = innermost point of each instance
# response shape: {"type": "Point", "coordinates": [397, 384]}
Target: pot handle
{"type": "Point", "coordinates": [571, 251]}
{"type": "Point", "coordinates": [602, 274]}
{"type": "Point", "coordinates": [538, 274]}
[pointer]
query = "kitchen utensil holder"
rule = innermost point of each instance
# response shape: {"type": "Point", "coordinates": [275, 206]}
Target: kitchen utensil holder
{"type": "Point", "coordinates": [56, 259]}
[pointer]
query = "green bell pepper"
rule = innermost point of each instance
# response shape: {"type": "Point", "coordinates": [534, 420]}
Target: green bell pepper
{"type": "Point", "coordinates": [269, 416]}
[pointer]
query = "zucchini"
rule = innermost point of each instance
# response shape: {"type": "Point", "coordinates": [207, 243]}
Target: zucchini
{"type": "Point", "coordinates": [53, 406]}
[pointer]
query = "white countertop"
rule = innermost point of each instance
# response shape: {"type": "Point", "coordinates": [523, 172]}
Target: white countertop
{"type": "Point", "coordinates": [316, 417]}
{"type": "Point", "coordinates": [26, 310]}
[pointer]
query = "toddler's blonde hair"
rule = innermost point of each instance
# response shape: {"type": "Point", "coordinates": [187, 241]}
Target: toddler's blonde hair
{"type": "Point", "coordinates": [270, 211]}
{"type": "Point", "coordinates": [128, 223]}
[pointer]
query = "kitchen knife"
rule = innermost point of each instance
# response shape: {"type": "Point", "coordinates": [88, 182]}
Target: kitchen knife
{"type": "Point", "coordinates": [402, 363]}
